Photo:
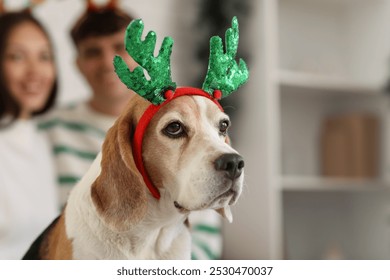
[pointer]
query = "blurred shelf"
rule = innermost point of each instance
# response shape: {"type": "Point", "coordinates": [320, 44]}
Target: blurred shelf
{"type": "Point", "coordinates": [323, 83]}
{"type": "Point", "coordinates": [303, 183]}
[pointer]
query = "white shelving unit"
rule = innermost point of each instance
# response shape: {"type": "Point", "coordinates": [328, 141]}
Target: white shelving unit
{"type": "Point", "coordinates": [333, 58]}
{"type": "Point", "coordinates": [317, 58]}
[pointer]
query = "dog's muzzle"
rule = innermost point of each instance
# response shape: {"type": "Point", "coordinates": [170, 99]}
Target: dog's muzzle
{"type": "Point", "coordinates": [231, 167]}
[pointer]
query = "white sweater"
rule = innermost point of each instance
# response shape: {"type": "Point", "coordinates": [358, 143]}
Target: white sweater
{"type": "Point", "coordinates": [28, 196]}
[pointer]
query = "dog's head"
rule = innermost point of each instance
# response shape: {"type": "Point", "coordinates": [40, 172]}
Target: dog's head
{"type": "Point", "coordinates": [186, 154]}
{"type": "Point", "coordinates": [180, 147]}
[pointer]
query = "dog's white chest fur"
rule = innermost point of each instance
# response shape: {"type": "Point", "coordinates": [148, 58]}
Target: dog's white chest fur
{"type": "Point", "coordinates": [162, 236]}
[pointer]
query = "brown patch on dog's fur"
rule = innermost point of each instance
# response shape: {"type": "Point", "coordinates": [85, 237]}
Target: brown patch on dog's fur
{"type": "Point", "coordinates": [58, 247]}
{"type": "Point", "coordinates": [52, 244]}
{"type": "Point", "coordinates": [119, 192]}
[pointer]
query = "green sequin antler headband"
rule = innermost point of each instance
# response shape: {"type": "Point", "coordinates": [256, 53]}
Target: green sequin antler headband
{"type": "Point", "coordinates": [224, 74]}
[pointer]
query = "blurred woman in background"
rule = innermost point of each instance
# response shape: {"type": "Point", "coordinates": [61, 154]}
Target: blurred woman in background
{"type": "Point", "coordinates": [28, 86]}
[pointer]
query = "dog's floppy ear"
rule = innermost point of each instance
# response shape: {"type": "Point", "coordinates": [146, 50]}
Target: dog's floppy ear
{"type": "Point", "coordinates": [119, 193]}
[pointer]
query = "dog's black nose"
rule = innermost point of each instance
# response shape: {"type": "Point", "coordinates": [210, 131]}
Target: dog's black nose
{"type": "Point", "coordinates": [231, 163]}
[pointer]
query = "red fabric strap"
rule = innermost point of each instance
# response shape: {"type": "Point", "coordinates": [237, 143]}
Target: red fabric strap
{"type": "Point", "coordinates": [147, 117]}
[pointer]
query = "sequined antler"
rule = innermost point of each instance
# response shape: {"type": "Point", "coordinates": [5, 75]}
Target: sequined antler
{"type": "Point", "coordinates": [223, 72]}
{"type": "Point", "coordinates": [158, 68]}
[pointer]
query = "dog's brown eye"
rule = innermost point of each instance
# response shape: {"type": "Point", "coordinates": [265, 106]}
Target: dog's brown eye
{"type": "Point", "coordinates": [174, 129]}
{"type": "Point", "coordinates": [223, 126]}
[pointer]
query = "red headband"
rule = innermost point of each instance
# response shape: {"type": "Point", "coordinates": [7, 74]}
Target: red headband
{"type": "Point", "coordinates": [147, 117]}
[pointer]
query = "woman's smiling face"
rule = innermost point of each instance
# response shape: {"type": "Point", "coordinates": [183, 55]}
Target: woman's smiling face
{"type": "Point", "coordinates": [28, 67]}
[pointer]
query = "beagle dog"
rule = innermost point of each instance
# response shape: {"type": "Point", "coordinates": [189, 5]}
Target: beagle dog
{"type": "Point", "coordinates": [111, 214]}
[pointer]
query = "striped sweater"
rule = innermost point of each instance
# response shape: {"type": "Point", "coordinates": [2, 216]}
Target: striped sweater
{"type": "Point", "coordinates": [77, 134]}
